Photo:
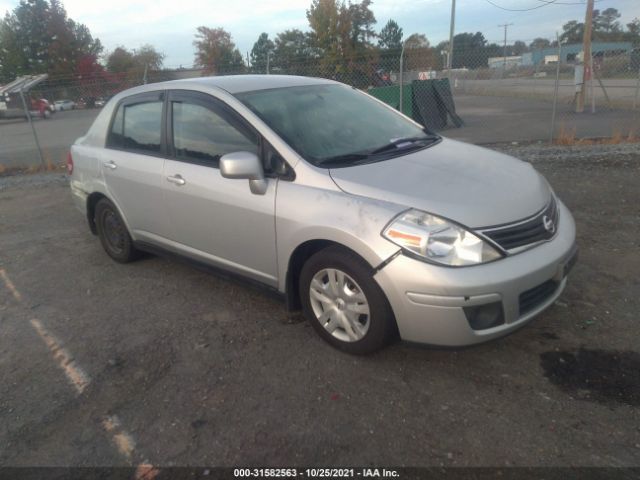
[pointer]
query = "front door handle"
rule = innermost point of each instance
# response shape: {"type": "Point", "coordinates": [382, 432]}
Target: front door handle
{"type": "Point", "coordinates": [110, 165]}
{"type": "Point", "coordinates": [177, 179]}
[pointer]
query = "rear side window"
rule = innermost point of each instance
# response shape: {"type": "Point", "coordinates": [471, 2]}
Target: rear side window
{"type": "Point", "coordinates": [137, 127]}
{"type": "Point", "coordinates": [203, 134]}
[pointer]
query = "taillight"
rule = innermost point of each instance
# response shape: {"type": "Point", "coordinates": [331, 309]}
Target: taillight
{"type": "Point", "coordinates": [69, 163]}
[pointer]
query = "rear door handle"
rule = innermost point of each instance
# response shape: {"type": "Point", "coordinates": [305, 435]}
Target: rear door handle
{"type": "Point", "coordinates": [177, 179]}
{"type": "Point", "coordinates": [110, 165]}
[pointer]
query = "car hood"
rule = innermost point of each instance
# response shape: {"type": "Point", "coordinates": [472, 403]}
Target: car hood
{"type": "Point", "coordinates": [471, 185]}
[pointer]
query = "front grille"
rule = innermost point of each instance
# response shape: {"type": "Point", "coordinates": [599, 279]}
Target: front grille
{"type": "Point", "coordinates": [542, 226]}
{"type": "Point", "coordinates": [536, 296]}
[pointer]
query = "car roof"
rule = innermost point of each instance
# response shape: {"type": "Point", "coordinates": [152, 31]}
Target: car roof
{"type": "Point", "coordinates": [242, 83]}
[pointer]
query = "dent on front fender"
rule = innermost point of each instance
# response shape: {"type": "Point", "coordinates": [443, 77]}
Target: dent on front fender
{"type": "Point", "coordinates": [306, 213]}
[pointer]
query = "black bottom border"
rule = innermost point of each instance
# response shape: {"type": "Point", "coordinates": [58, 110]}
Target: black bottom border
{"type": "Point", "coordinates": [397, 473]}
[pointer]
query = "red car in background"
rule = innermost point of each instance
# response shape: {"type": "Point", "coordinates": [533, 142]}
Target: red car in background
{"type": "Point", "coordinates": [14, 108]}
{"type": "Point", "coordinates": [42, 107]}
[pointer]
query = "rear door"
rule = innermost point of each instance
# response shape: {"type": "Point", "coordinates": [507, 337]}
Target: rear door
{"type": "Point", "coordinates": [216, 218]}
{"type": "Point", "coordinates": [132, 163]}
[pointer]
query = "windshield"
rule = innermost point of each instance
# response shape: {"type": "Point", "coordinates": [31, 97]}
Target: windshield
{"type": "Point", "coordinates": [333, 124]}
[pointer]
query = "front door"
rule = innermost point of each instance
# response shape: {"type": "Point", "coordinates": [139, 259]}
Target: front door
{"type": "Point", "coordinates": [211, 217]}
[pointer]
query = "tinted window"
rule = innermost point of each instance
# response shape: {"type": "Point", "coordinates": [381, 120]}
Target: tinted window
{"type": "Point", "coordinates": [137, 126]}
{"type": "Point", "coordinates": [204, 135]}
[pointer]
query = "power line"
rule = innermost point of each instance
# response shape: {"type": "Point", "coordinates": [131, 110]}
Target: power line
{"type": "Point", "coordinates": [567, 3]}
{"type": "Point", "coordinates": [543, 4]}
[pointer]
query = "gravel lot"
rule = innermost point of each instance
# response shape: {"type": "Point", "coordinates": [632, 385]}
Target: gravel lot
{"type": "Point", "coordinates": [174, 366]}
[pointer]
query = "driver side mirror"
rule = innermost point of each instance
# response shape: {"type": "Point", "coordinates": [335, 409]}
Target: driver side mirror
{"type": "Point", "coordinates": [244, 165]}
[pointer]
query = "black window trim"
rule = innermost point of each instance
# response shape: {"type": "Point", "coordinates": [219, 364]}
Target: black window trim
{"type": "Point", "coordinates": [289, 175]}
{"type": "Point", "coordinates": [145, 97]}
{"type": "Point", "coordinates": [219, 107]}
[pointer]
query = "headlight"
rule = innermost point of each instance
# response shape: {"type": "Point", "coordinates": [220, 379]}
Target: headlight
{"type": "Point", "coordinates": [438, 240]}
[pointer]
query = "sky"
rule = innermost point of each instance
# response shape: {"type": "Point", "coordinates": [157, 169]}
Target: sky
{"type": "Point", "coordinates": [170, 25]}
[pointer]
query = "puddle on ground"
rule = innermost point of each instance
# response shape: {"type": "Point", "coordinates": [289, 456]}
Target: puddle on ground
{"type": "Point", "coordinates": [598, 375]}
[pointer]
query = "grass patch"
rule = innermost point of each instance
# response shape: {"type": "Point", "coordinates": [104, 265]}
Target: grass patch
{"type": "Point", "coordinates": [49, 167]}
{"type": "Point", "coordinates": [567, 136]}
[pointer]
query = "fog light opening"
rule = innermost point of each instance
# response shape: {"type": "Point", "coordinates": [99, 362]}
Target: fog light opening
{"type": "Point", "coordinates": [483, 317]}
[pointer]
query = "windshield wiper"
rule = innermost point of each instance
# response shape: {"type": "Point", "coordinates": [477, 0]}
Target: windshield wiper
{"type": "Point", "coordinates": [396, 145]}
{"type": "Point", "coordinates": [340, 159]}
{"type": "Point", "coordinates": [403, 143]}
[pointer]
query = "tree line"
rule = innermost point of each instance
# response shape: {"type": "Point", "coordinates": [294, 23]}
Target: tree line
{"type": "Point", "coordinates": [341, 41]}
{"type": "Point", "coordinates": [39, 37]}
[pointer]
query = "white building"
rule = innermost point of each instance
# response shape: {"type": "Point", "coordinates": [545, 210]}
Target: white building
{"type": "Point", "coordinates": [511, 62]}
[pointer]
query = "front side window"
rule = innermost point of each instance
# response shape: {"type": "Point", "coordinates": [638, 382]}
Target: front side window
{"type": "Point", "coordinates": [202, 134]}
{"type": "Point", "coordinates": [137, 127]}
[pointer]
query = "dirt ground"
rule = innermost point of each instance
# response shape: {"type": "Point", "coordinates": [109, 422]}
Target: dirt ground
{"type": "Point", "coordinates": [158, 363]}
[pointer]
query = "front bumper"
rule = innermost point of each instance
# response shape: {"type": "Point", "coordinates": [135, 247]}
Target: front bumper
{"type": "Point", "coordinates": [428, 300]}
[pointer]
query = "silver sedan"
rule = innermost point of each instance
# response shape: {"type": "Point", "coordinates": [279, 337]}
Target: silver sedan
{"type": "Point", "coordinates": [372, 225]}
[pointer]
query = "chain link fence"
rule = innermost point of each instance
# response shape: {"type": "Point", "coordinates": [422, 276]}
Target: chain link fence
{"type": "Point", "coordinates": [533, 97]}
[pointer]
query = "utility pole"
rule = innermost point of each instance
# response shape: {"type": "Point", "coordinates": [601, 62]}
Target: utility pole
{"type": "Point", "coordinates": [587, 61]}
{"type": "Point", "coordinates": [451, 31]}
{"type": "Point", "coordinates": [505, 25]}
{"type": "Point", "coordinates": [555, 91]}
{"type": "Point", "coordinates": [401, 79]}
{"type": "Point", "coordinates": [33, 129]}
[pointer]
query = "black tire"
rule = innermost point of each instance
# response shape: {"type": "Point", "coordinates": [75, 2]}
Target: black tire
{"type": "Point", "coordinates": [113, 233]}
{"type": "Point", "coordinates": [382, 327]}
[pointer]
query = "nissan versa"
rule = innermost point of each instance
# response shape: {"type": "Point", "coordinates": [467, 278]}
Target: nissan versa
{"type": "Point", "coordinates": [372, 225]}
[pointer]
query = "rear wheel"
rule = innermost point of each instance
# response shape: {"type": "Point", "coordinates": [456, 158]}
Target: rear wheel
{"type": "Point", "coordinates": [344, 303]}
{"type": "Point", "coordinates": [113, 233]}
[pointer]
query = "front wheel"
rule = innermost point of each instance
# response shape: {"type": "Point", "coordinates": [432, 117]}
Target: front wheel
{"type": "Point", "coordinates": [113, 233]}
{"type": "Point", "coordinates": [344, 303]}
